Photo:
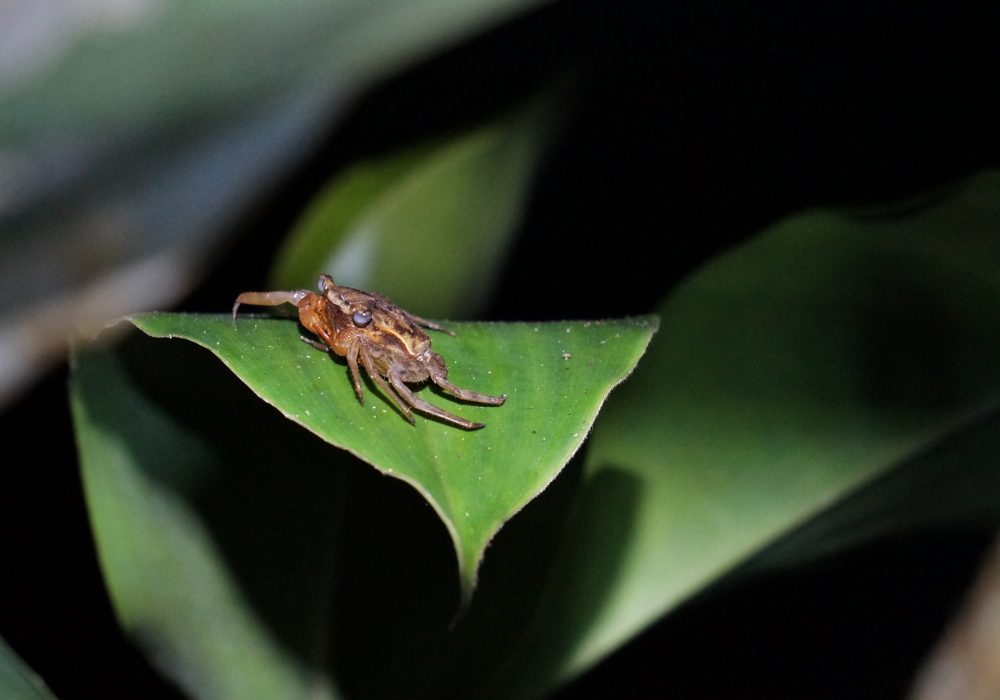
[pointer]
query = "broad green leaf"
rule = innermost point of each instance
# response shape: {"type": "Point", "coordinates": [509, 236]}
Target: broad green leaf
{"type": "Point", "coordinates": [17, 681]}
{"type": "Point", "coordinates": [162, 496]}
{"type": "Point", "coordinates": [426, 227]}
{"type": "Point", "coordinates": [840, 371]}
{"type": "Point", "coordinates": [556, 376]}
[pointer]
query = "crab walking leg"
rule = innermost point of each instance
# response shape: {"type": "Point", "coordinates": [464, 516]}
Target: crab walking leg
{"type": "Point", "coordinates": [269, 299]}
{"type": "Point", "coordinates": [424, 407]}
{"type": "Point", "coordinates": [352, 364]}
{"type": "Point", "coordinates": [441, 379]}
{"type": "Point", "coordinates": [373, 372]}
{"type": "Point", "coordinates": [311, 342]}
{"type": "Point", "coordinates": [426, 323]}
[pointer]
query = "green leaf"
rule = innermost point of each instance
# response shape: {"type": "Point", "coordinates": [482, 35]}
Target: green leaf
{"type": "Point", "coordinates": [450, 209]}
{"type": "Point", "coordinates": [189, 584]}
{"type": "Point", "coordinates": [840, 371]}
{"type": "Point", "coordinates": [17, 681]}
{"type": "Point", "coordinates": [556, 376]}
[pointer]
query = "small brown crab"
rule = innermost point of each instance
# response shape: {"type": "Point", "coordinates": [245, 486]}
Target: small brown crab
{"type": "Point", "coordinates": [387, 341]}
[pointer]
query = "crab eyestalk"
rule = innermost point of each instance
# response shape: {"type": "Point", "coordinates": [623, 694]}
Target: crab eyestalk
{"type": "Point", "coordinates": [325, 283]}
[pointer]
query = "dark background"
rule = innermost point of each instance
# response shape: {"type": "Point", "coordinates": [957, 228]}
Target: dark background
{"type": "Point", "coordinates": [689, 127]}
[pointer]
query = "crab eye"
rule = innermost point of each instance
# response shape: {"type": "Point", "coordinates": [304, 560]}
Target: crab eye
{"type": "Point", "coordinates": [324, 282]}
{"type": "Point", "coordinates": [362, 318]}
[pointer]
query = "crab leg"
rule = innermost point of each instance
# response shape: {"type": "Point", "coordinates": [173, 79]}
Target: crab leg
{"type": "Point", "coordinates": [312, 342]}
{"type": "Point", "coordinates": [441, 379]}
{"type": "Point", "coordinates": [373, 372]}
{"type": "Point", "coordinates": [429, 408]}
{"type": "Point", "coordinates": [352, 364]}
{"type": "Point", "coordinates": [427, 323]}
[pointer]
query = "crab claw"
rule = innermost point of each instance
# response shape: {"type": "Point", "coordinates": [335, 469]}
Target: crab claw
{"type": "Point", "coordinates": [270, 299]}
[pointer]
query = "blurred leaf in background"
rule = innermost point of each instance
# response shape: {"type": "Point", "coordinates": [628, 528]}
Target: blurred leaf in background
{"type": "Point", "coordinates": [452, 207]}
{"type": "Point", "coordinates": [132, 134]}
{"type": "Point", "coordinates": [835, 379]}
{"type": "Point", "coordinates": [223, 617]}
{"type": "Point", "coordinates": [17, 681]}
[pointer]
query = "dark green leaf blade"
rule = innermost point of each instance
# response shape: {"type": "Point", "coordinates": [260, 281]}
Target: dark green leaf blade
{"type": "Point", "coordinates": [17, 680]}
{"type": "Point", "coordinates": [840, 365]}
{"type": "Point", "coordinates": [556, 376]}
{"type": "Point", "coordinates": [150, 485]}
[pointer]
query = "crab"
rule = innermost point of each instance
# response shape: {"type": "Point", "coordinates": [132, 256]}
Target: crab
{"type": "Point", "coordinates": [368, 329]}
